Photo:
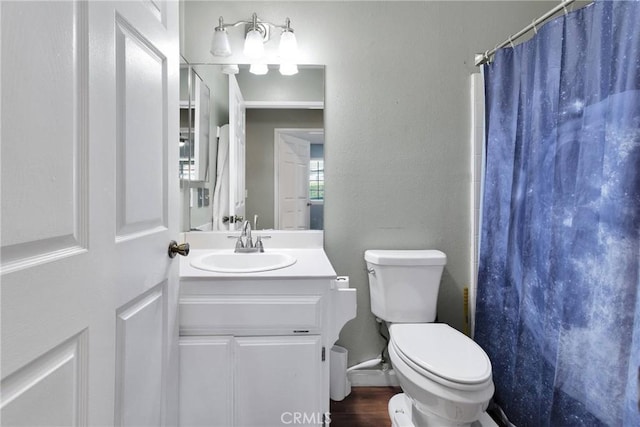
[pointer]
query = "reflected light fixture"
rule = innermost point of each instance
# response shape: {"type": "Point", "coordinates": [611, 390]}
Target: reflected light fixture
{"type": "Point", "coordinates": [288, 69]}
{"type": "Point", "coordinates": [257, 33]}
{"type": "Point", "coordinates": [230, 69]}
{"type": "Point", "coordinates": [259, 68]}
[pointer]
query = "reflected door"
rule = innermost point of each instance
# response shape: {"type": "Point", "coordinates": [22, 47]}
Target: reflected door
{"type": "Point", "coordinates": [293, 208]}
{"type": "Point", "coordinates": [237, 150]}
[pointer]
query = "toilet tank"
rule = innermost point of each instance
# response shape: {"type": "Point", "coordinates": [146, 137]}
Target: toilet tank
{"type": "Point", "coordinates": [404, 284]}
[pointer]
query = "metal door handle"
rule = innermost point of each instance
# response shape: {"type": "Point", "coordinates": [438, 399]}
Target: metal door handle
{"type": "Point", "coordinates": [232, 219]}
{"type": "Point", "coordinates": [175, 248]}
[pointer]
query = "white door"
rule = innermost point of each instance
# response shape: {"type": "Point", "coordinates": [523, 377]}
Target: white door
{"type": "Point", "coordinates": [292, 207]}
{"type": "Point", "coordinates": [201, 126]}
{"type": "Point", "coordinates": [237, 150]}
{"type": "Point", "coordinates": [89, 204]}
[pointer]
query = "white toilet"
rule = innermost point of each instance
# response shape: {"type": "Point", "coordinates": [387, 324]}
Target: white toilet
{"type": "Point", "coordinates": [445, 376]}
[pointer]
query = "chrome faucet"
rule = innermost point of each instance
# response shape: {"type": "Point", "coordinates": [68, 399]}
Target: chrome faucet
{"type": "Point", "coordinates": [245, 243]}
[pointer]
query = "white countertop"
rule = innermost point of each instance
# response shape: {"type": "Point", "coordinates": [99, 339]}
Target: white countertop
{"type": "Point", "coordinates": [310, 263]}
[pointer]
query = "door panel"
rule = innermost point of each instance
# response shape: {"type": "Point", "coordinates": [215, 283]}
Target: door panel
{"type": "Point", "coordinates": [37, 176]}
{"type": "Point", "coordinates": [141, 100]}
{"type": "Point", "coordinates": [89, 205]}
{"type": "Point", "coordinates": [56, 380]}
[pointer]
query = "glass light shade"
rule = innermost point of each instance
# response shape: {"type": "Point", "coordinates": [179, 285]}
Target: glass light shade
{"type": "Point", "coordinates": [288, 45]}
{"type": "Point", "coordinates": [230, 69]}
{"type": "Point", "coordinates": [220, 43]}
{"type": "Point", "coordinates": [288, 69]}
{"type": "Point", "coordinates": [259, 69]}
{"type": "Point", "coordinates": [254, 45]}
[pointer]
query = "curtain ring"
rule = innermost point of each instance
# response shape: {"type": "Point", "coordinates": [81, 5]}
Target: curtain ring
{"type": "Point", "coordinates": [486, 56]}
{"type": "Point", "coordinates": [564, 7]}
{"type": "Point", "coordinates": [511, 43]}
{"type": "Point", "coordinates": [535, 29]}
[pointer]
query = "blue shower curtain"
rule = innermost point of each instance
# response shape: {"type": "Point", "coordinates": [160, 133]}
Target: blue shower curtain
{"type": "Point", "coordinates": [558, 308]}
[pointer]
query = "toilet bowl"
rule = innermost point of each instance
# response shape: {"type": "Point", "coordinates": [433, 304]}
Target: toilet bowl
{"type": "Point", "coordinates": [445, 376]}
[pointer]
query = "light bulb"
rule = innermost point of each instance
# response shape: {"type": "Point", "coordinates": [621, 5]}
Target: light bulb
{"type": "Point", "coordinates": [288, 45]}
{"type": "Point", "coordinates": [254, 44]}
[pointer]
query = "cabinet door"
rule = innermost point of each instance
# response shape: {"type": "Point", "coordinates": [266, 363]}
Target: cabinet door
{"type": "Point", "coordinates": [278, 381]}
{"type": "Point", "coordinates": [206, 381]}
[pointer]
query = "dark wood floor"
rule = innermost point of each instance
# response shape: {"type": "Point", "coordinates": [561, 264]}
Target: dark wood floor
{"type": "Point", "coordinates": [364, 407]}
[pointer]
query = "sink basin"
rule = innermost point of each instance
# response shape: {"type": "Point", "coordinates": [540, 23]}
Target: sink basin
{"type": "Point", "coordinates": [231, 262]}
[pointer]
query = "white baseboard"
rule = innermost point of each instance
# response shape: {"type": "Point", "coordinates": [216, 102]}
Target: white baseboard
{"type": "Point", "coordinates": [373, 378]}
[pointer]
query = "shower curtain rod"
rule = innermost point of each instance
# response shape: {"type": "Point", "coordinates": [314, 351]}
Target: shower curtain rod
{"type": "Point", "coordinates": [483, 58]}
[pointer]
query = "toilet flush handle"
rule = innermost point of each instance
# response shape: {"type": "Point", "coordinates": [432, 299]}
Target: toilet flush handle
{"type": "Point", "coordinates": [371, 271]}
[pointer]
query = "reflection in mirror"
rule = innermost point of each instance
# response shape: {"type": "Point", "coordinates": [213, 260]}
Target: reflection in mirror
{"type": "Point", "coordinates": [195, 168]}
{"type": "Point", "coordinates": [251, 145]}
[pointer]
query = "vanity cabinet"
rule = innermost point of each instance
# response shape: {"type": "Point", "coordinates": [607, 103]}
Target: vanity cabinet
{"type": "Point", "coordinates": [249, 381]}
{"type": "Point", "coordinates": [256, 357]}
{"type": "Point", "coordinates": [254, 347]}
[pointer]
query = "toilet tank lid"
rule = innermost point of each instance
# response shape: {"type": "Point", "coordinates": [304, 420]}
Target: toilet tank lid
{"type": "Point", "coordinates": [405, 257]}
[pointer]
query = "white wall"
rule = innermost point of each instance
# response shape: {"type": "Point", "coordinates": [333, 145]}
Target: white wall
{"type": "Point", "coordinates": [397, 125]}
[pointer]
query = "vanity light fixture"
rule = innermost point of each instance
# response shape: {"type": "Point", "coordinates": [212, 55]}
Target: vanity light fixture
{"type": "Point", "coordinates": [288, 50]}
{"type": "Point", "coordinates": [257, 33]}
{"type": "Point", "coordinates": [220, 43]}
{"type": "Point", "coordinates": [254, 42]}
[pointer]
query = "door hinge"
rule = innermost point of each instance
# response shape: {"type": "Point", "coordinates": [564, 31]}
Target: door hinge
{"type": "Point", "coordinates": [323, 354]}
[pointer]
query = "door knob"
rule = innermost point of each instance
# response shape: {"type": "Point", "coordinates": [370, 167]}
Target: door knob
{"type": "Point", "coordinates": [175, 248]}
{"type": "Point", "coordinates": [232, 219]}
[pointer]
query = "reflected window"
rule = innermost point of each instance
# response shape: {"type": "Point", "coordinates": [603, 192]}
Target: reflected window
{"type": "Point", "coordinates": [187, 168]}
{"type": "Point", "coordinates": [316, 180]}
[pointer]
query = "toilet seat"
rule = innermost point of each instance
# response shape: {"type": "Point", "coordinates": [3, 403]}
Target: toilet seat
{"type": "Point", "coordinates": [441, 353]}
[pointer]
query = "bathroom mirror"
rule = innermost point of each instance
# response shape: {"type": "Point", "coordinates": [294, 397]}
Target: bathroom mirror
{"type": "Point", "coordinates": [262, 155]}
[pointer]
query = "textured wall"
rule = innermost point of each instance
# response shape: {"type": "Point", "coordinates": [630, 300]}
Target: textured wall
{"type": "Point", "coordinates": [397, 123]}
